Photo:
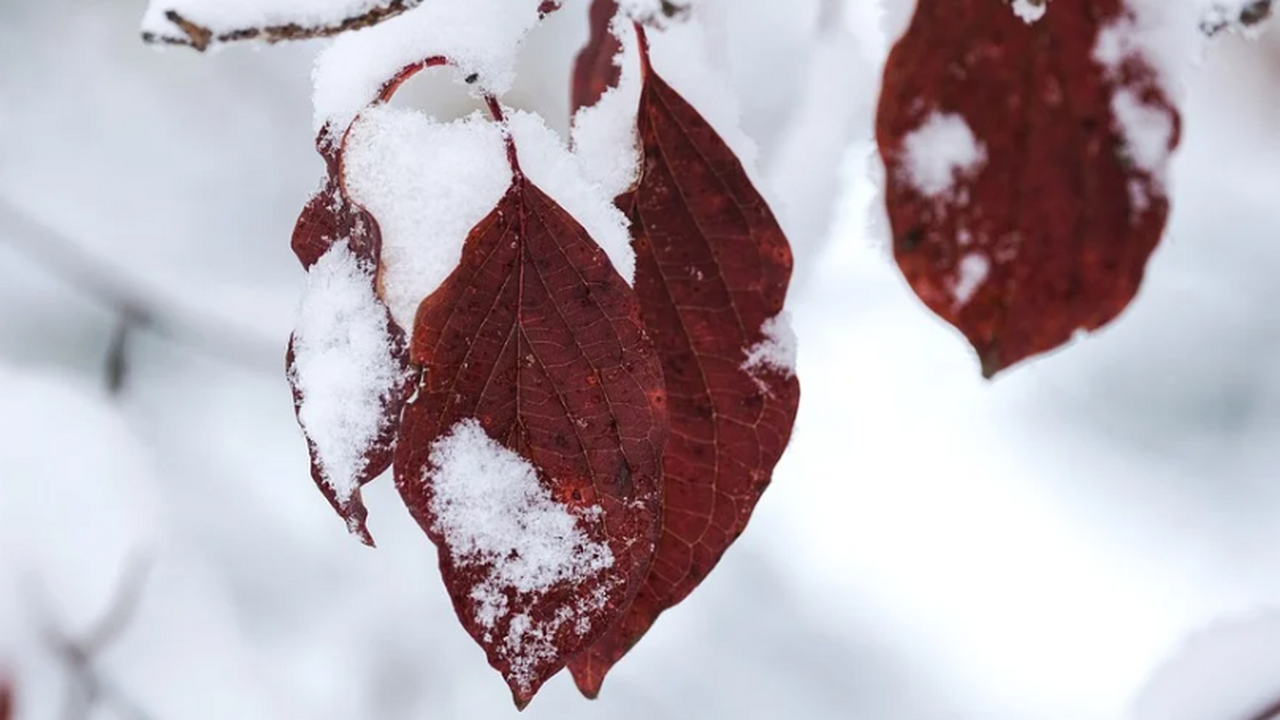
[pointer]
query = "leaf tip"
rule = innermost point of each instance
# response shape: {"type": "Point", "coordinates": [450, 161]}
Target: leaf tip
{"type": "Point", "coordinates": [589, 682]}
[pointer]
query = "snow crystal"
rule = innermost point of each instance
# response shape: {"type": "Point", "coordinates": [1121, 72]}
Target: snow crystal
{"type": "Point", "coordinates": [428, 183]}
{"type": "Point", "coordinates": [222, 16]}
{"type": "Point", "coordinates": [604, 135]}
{"type": "Point", "coordinates": [971, 273]}
{"type": "Point", "coordinates": [1029, 10]}
{"type": "Point", "coordinates": [481, 38]}
{"type": "Point", "coordinates": [777, 351]}
{"type": "Point", "coordinates": [547, 162]}
{"type": "Point", "coordinates": [497, 517]}
{"type": "Point", "coordinates": [942, 149]}
{"type": "Point", "coordinates": [343, 366]}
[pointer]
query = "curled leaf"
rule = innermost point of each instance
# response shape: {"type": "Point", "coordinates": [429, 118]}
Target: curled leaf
{"type": "Point", "coordinates": [1025, 168]}
{"type": "Point", "coordinates": [348, 362]}
{"type": "Point", "coordinates": [712, 270]}
{"type": "Point", "coordinates": [531, 454]}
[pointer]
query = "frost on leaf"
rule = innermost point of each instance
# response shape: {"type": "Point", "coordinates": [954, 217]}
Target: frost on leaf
{"type": "Point", "coordinates": [712, 270]}
{"type": "Point", "coordinates": [1026, 165]}
{"type": "Point", "coordinates": [347, 360]}
{"type": "Point", "coordinates": [533, 352]}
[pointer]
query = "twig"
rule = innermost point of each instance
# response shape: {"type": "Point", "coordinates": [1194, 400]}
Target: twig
{"type": "Point", "coordinates": [201, 37]}
{"type": "Point", "coordinates": [118, 292]}
{"type": "Point", "coordinates": [88, 686]}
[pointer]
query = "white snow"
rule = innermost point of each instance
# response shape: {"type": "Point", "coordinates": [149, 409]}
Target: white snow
{"type": "Point", "coordinates": [1030, 10]}
{"type": "Point", "coordinates": [428, 183]}
{"type": "Point", "coordinates": [479, 37]}
{"type": "Point", "coordinates": [941, 151]}
{"type": "Point", "coordinates": [222, 16]}
{"type": "Point", "coordinates": [496, 516]}
{"type": "Point", "coordinates": [547, 162]}
{"type": "Point", "coordinates": [343, 366]}
{"type": "Point", "coordinates": [604, 135]}
{"type": "Point", "coordinates": [779, 349]}
{"type": "Point", "coordinates": [971, 273]}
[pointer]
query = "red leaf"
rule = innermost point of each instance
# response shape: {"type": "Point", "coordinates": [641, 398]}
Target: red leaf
{"type": "Point", "coordinates": [1048, 231]}
{"type": "Point", "coordinates": [712, 268]}
{"type": "Point", "coordinates": [594, 70]}
{"type": "Point", "coordinates": [533, 352]}
{"type": "Point", "coordinates": [330, 218]}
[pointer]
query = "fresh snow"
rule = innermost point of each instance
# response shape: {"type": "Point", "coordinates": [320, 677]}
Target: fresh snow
{"type": "Point", "coordinates": [604, 135]}
{"type": "Point", "coordinates": [481, 38]}
{"type": "Point", "coordinates": [779, 349]}
{"type": "Point", "coordinates": [939, 152]}
{"type": "Point", "coordinates": [343, 366]}
{"type": "Point", "coordinates": [547, 162]}
{"type": "Point", "coordinates": [497, 518]}
{"type": "Point", "coordinates": [428, 183]}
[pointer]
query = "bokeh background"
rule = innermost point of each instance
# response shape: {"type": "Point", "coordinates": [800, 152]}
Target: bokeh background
{"type": "Point", "coordinates": [934, 546]}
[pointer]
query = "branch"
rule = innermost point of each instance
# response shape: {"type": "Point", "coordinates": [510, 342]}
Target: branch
{"type": "Point", "coordinates": [195, 35]}
{"type": "Point", "coordinates": [129, 298]}
{"type": "Point", "coordinates": [1271, 712]}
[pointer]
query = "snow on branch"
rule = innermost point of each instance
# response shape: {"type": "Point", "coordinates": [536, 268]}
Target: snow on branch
{"type": "Point", "coordinates": [201, 24]}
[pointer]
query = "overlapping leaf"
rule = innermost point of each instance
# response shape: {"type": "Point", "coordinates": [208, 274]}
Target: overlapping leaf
{"type": "Point", "coordinates": [1024, 164]}
{"type": "Point", "coordinates": [330, 219]}
{"type": "Point", "coordinates": [712, 270]}
{"type": "Point", "coordinates": [537, 341]}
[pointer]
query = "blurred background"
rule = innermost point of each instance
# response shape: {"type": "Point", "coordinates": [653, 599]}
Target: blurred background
{"type": "Point", "coordinates": [934, 546]}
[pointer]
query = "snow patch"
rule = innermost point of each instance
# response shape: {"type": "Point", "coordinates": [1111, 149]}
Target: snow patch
{"type": "Point", "coordinates": [481, 38]}
{"type": "Point", "coordinates": [939, 152]}
{"type": "Point", "coordinates": [343, 366]}
{"type": "Point", "coordinates": [428, 184]}
{"type": "Point", "coordinates": [497, 519]}
{"type": "Point", "coordinates": [777, 351]}
{"type": "Point", "coordinates": [547, 162]}
{"type": "Point", "coordinates": [971, 273]}
{"type": "Point", "coordinates": [604, 135]}
{"type": "Point", "coordinates": [1030, 10]}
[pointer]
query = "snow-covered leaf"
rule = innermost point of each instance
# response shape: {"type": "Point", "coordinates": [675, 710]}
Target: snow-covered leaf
{"type": "Point", "coordinates": [1026, 167]}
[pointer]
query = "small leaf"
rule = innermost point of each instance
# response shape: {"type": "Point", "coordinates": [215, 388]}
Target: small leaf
{"type": "Point", "coordinates": [712, 270]}
{"type": "Point", "coordinates": [536, 367]}
{"type": "Point", "coordinates": [1025, 169]}
{"type": "Point", "coordinates": [348, 362]}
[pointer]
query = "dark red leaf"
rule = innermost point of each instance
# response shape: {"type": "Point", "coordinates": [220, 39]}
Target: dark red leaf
{"type": "Point", "coordinates": [712, 268]}
{"type": "Point", "coordinates": [537, 340]}
{"type": "Point", "coordinates": [1050, 233]}
{"type": "Point", "coordinates": [329, 218]}
{"type": "Point", "coordinates": [594, 70]}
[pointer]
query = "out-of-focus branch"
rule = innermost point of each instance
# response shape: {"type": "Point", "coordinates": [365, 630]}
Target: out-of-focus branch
{"type": "Point", "coordinates": [1235, 15]}
{"type": "Point", "coordinates": [87, 686]}
{"type": "Point", "coordinates": [190, 33]}
{"type": "Point", "coordinates": [138, 307]}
